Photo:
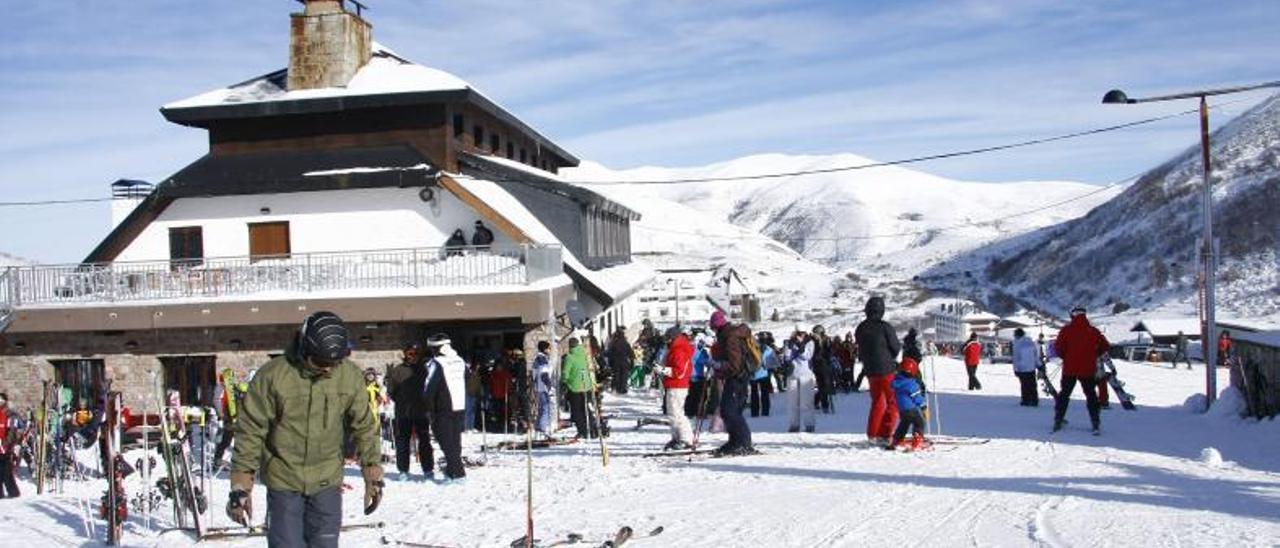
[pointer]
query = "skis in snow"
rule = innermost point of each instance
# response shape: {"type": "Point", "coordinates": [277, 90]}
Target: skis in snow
{"type": "Point", "coordinates": [623, 535]}
{"type": "Point", "coordinates": [114, 507]}
{"type": "Point", "coordinates": [223, 533]}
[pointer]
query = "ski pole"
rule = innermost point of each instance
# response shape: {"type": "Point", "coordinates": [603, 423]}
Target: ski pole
{"type": "Point", "coordinates": [528, 452]}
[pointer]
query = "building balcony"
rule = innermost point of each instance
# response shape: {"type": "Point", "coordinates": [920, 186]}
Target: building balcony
{"type": "Point", "coordinates": [328, 279]}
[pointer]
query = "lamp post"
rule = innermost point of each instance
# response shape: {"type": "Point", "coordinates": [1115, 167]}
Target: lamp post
{"type": "Point", "coordinates": [676, 283]}
{"type": "Point", "coordinates": [1208, 251]}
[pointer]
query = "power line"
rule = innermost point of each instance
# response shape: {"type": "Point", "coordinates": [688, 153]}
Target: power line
{"type": "Point", "coordinates": [917, 159]}
{"type": "Point", "coordinates": [54, 202]}
{"type": "Point", "coordinates": [914, 160]}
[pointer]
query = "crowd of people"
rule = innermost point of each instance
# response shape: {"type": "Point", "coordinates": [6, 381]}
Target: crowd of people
{"type": "Point", "coordinates": [710, 378]}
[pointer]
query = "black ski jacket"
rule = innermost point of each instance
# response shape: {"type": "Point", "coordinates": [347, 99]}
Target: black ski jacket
{"type": "Point", "coordinates": [878, 344]}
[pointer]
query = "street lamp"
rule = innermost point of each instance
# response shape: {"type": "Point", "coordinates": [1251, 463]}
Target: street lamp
{"type": "Point", "coordinates": [1209, 256]}
{"type": "Point", "coordinates": [676, 283]}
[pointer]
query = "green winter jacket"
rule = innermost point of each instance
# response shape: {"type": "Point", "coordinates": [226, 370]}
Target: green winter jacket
{"type": "Point", "coordinates": [291, 424]}
{"type": "Point", "coordinates": [576, 374]}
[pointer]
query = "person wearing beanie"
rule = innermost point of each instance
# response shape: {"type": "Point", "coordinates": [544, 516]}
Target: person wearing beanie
{"type": "Point", "coordinates": [289, 436]}
{"type": "Point", "coordinates": [1079, 344]}
{"type": "Point", "coordinates": [444, 401]}
{"type": "Point", "coordinates": [878, 346]}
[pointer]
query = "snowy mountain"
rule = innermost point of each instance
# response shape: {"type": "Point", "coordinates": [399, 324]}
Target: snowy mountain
{"type": "Point", "coordinates": [876, 228]}
{"type": "Point", "coordinates": [888, 220]}
{"type": "Point", "coordinates": [1138, 250]}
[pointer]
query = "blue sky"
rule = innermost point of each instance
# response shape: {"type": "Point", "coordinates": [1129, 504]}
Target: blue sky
{"type": "Point", "coordinates": [628, 84]}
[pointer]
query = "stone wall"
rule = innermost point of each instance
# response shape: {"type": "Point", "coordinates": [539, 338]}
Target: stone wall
{"type": "Point", "coordinates": [131, 357]}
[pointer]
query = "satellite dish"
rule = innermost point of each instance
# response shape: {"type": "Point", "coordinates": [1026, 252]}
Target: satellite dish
{"type": "Point", "coordinates": [577, 315]}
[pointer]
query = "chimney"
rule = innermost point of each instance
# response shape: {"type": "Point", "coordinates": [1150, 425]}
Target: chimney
{"type": "Point", "coordinates": [126, 194]}
{"type": "Point", "coordinates": [327, 45]}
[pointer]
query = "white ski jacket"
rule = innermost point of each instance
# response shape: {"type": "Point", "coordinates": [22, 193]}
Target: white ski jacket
{"type": "Point", "coordinates": [1026, 355]}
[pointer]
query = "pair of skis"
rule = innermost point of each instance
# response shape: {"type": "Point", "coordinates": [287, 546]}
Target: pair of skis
{"type": "Point", "coordinates": [115, 507]}
{"type": "Point", "coordinates": [621, 537]}
{"type": "Point", "coordinates": [235, 532]}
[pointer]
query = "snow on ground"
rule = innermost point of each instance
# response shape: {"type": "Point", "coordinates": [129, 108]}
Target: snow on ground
{"type": "Point", "coordinates": [1142, 483]}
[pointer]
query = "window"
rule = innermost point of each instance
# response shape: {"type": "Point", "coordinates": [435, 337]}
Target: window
{"type": "Point", "coordinates": [511, 150]}
{"type": "Point", "coordinates": [477, 135]}
{"type": "Point", "coordinates": [459, 126]}
{"type": "Point", "coordinates": [194, 377]}
{"type": "Point", "coordinates": [524, 156]}
{"type": "Point", "coordinates": [186, 246]}
{"type": "Point", "coordinates": [494, 143]}
{"type": "Point", "coordinates": [268, 240]}
{"type": "Point", "coordinates": [84, 378]}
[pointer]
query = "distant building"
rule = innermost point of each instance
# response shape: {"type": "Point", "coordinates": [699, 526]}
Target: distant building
{"type": "Point", "coordinates": [954, 322]}
{"type": "Point", "coordinates": [333, 184]}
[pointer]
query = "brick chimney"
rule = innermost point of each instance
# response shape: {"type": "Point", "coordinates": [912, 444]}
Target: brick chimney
{"type": "Point", "coordinates": [327, 45]}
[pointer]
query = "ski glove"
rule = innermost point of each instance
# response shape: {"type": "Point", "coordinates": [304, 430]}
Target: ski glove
{"type": "Point", "coordinates": [372, 488]}
{"type": "Point", "coordinates": [239, 503]}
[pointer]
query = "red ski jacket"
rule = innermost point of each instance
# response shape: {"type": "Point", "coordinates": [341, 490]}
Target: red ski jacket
{"type": "Point", "coordinates": [1080, 344]}
{"type": "Point", "coordinates": [680, 360]}
{"type": "Point", "coordinates": [972, 353]}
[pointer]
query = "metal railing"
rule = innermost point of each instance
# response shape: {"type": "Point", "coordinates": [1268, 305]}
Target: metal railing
{"type": "Point", "coordinates": [356, 271]}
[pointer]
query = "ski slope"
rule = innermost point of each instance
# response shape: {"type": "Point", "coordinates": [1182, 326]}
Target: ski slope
{"type": "Point", "coordinates": [1141, 483]}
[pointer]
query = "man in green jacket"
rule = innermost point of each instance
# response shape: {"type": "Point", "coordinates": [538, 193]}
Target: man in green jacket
{"type": "Point", "coordinates": [290, 434]}
{"type": "Point", "coordinates": [578, 381]}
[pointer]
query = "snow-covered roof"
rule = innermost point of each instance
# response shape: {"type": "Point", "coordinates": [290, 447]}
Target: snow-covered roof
{"type": "Point", "coordinates": [385, 73]}
{"type": "Point", "coordinates": [386, 80]}
{"type": "Point", "coordinates": [977, 317]}
{"type": "Point", "coordinates": [1267, 338]}
{"type": "Point", "coordinates": [617, 282]}
{"type": "Point", "coordinates": [1168, 327]}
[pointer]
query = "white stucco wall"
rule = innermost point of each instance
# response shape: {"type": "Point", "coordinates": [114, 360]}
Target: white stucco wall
{"type": "Point", "coordinates": [338, 220]}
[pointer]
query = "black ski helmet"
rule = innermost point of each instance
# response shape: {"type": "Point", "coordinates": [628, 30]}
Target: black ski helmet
{"type": "Point", "coordinates": [324, 336]}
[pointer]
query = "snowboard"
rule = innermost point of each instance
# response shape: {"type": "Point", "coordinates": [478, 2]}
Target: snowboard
{"type": "Point", "coordinates": [1106, 367]}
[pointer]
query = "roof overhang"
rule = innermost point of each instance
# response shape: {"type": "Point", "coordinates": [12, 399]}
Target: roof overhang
{"type": "Point", "coordinates": [527, 303]}
{"type": "Point", "coordinates": [204, 116]}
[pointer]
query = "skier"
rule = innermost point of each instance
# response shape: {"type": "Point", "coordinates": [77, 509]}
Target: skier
{"type": "Point", "coordinates": [483, 237]}
{"type": "Point", "coordinates": [878, 345]}
{"type": "Point", "coordinates": [1180, 351]}
{"type": "Point", "coordinates": [821, 366]}
{"type": "Point", "coordinates": [909, 393]}
{"type": "Point", "coordinates": [444, 403]}
{"type": "Point", "coordinates": [802, 382]}
{"type": "Point", "coordinates": [290, 434]}
{"type": "Point", "coordinates": [761, 383]}
{"type": "Point", "coordinates": [1224, 348]}
{"type": "Point", "coordinates": [676, 370]}
{"type": "Point", "coordinates": [698, 379]}
{"type": "Point", "coordinates": [1079, 344]}
{"type": "Point", "coordinates": [729, 355]}
{"type": "Point", "coordinates": [620, 359]}
{"type": "Point", "coordinates": [8, 450]}
{"type": "Point", "coordinates": [1026, 358]}
{"type": "Point", "coordinates": [542, 387]}
{"type": "Point", "coordinates": [404, 384]}
{"type": "Point", "coordinates": [455, 244]}
{"type": "Point", "coordinates": [973, 356]}
{"type": "Point", "coordinates": [230, 397]}
{"type": "Point", "coordinates": [576, 376]}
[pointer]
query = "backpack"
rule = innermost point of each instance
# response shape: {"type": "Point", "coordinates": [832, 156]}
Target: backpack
{"type": "Point", "coordinates": [752, 357]}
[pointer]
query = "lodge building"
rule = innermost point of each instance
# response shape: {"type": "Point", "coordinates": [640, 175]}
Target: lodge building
{"type": "Point", "coordinates": [332, 184]}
